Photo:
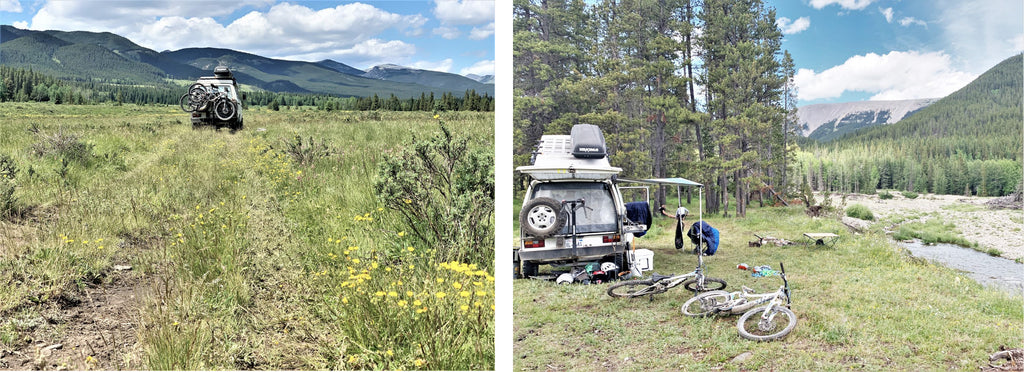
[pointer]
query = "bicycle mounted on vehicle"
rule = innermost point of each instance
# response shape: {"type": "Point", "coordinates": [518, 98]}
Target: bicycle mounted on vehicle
{"type": "Point", "coordinates": [214, 100]}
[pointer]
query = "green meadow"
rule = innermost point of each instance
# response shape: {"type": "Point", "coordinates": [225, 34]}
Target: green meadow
{"type": "Point", "coordinates": [266, 248]}
{"type": "Point", "coordinates": [862, 305]}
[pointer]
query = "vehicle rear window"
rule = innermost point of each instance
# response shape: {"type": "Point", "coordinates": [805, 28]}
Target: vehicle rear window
{"type": "Point", "coordinates": [598, 213]}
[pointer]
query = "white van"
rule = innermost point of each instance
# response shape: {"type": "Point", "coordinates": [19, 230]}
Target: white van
{"type": "Point", "coordinates": [573, 210]}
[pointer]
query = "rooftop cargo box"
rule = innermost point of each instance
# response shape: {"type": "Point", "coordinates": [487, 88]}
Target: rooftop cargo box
{"type": "Point", "coordinates": [588, 142]}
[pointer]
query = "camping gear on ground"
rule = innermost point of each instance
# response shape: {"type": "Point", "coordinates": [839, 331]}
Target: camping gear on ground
{"type": "Point", "coordinates": [703, 231]}
{"type": "Point", "coordinates": [742, 266]}
{"type": "Point", "coordinates": [825, 239]}
{"type": "Point", "coordinates": [641, 260]}
{"type": "Point", "coordinates": [762, 271]}
{"type": "Point", "coordinates": [639, 212]}
{"type": "Point", "coordinates": [611, 270]}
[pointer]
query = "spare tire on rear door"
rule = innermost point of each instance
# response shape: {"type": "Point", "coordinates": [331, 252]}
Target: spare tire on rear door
{"type": "Point", "coordinates": [542, 217]}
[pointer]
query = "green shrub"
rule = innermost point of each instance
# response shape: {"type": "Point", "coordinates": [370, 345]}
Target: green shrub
{"type": "Point", "coordinates": [305, 153]}
{"type": "Point", "coordinates": [63, 145]}
{"type": "Point", "coordinates": [860, 211]}
{"type": "Point", "coordinates": [444, 190]}
{"type": "Point", "coordinates": [885, 195]}
{"type": "Point", "coordinates": [910, 195]}
{"type": "Point", "coordinates": [8, 171]}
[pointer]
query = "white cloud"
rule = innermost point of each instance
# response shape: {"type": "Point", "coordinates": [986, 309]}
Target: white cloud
{"type": "Point", "coordinates": [464, 12]}
{"type": "Point", "coordinates": [789, 27]}
{"type": "Point", "coordinates": [443, 66]}
{"type": "Point", "coordinates": [481, 68]}
{"type": "Point", "coordinates": [448, 32]}
{"type": "Point", "coordinates": [480, 33]}
{"type": "Point", "coordinates": [845, 4]}
{"type": "Point", "coordinates": [893, 76]}
{"type": "Point", "coordinates": [979, 33]}
{"type": "Point", "coordinates": [1017, 42]}
{"type": "Point", "coordinates": [887, 12]}
{"type": "Point", "coordinates": [20, 24]}
{"type": "Point", "coordinates": [13, 6]}
{"type": "Point", "coordinates": [284, 30]}
{"type": "Point", "coordinates": [907, 21]}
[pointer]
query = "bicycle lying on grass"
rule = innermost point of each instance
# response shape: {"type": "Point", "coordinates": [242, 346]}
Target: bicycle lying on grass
{"type": "Point", "coordinates": [758, 322]}
{"type": "Point", "coordinates": [694, 281]}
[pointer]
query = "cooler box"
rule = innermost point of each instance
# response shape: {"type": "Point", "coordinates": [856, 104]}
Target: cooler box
{"type": "Point", "coordinates": [641, 260]}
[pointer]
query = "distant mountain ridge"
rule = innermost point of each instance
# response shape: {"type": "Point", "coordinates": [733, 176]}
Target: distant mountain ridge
{"type": "Point", "coordinates": [392, 72]}
{"type": "Point", "coordinates": [990, 107]}
{"type": "Point", "coordinates": [828, 121]}
{"type": "Point", "coordinates": [82, 55]}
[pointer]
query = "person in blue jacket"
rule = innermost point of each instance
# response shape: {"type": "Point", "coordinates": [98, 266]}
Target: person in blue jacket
{"type": "Point", "coordinates": [710, 234]}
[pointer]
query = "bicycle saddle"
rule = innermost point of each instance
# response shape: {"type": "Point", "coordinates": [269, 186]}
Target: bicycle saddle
{"type": "Point", "coordinates": [657, 277]}
{"type": "Point", "coordinates": [747, 290]}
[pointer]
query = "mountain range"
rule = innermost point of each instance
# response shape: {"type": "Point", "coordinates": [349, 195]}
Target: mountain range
{"type": "Point", "coordinates": [81, 55]}
{"type": "Point", "coordinates": [828, 121]}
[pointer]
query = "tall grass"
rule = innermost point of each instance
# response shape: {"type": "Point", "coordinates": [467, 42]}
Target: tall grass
{"type": "Point", "coordinates": [240, 246]}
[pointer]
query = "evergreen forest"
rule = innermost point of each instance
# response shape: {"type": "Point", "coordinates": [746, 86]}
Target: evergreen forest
{"type": "Point", "coordinates": [24, 85]}
{"type": "Point", "coordinates": [718, 105]}
{"type": "Point", "coordinates": [968, 143]}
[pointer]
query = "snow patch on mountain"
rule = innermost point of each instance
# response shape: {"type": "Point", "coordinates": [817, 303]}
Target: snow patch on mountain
{"type": "Point", "coordinates": [811, 117]}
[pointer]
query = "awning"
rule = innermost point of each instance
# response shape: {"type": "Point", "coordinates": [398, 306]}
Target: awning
{"type": "Point", "coordinates": [677, 181]}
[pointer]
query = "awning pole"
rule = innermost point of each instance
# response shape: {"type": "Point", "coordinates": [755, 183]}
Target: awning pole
{"type": "Point", "coordinates": [679, 198]}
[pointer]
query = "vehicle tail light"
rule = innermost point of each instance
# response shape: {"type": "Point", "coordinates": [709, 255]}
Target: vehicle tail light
{"type": "Point", "coordinates": [611, 238]}
{"type": "Point", "coordinates": [534, 243]}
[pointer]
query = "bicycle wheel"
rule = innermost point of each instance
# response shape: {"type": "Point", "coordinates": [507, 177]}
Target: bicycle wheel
{"type": "Point", "coordinates": [631, 288]}
{"type": "Point", "coordinates": [752, 327]}
{"type": "Point", "coordinates": [183, 102]}
{"type": "Point", "coordinates": [705, 304]}
{"type": "Point", "coordinates": [224, 109]}
{"type": "Point", "coordinates": [710, 284]}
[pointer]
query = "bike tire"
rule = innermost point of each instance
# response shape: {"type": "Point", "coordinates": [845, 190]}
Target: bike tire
{"type": "Point", "coordinates": [710, 284]}
{"type": "Point", "coordinates": [224, 109]}
{"type": "Point", "coordinates": [631, 288]}
{"type": "Point", "coordinates": [750, 327]}
{"type": "Point", "coordinates": [183, 102]}
{"type": "Point", "coordinates": [704, 304]}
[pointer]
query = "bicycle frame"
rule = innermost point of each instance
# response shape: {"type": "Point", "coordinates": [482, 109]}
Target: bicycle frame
{"type": "Point", "coordinates": [745, 300]}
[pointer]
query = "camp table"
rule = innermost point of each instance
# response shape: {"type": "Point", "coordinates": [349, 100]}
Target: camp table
{"type": "Point", "coordinates": [828, 239]}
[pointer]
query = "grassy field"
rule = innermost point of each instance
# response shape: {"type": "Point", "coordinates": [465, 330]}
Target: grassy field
{"type": "Point", "coordinates": [240, 256]}
{"type": "Point", "coordinates": [863, 305]}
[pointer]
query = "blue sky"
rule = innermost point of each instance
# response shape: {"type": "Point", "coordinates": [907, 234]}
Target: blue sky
{"type": "Point", "coordinates": [854, 50]}
{"type": "Point", "coordinates": [444, 35]}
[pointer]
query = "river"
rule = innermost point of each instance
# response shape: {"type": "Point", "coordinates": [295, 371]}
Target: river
{"type": "Point", "coordinates": [990, 271]}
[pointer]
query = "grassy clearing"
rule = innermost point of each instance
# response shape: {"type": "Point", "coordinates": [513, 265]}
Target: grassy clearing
{"type": "Point", "coordinates": [862, 305]}
{"type": "Point", "coordinates": [247, 259]}
{"type": "Point", "coordinates": [965, 207]}
{"type": "Point", "coordinates": [932, 231]}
